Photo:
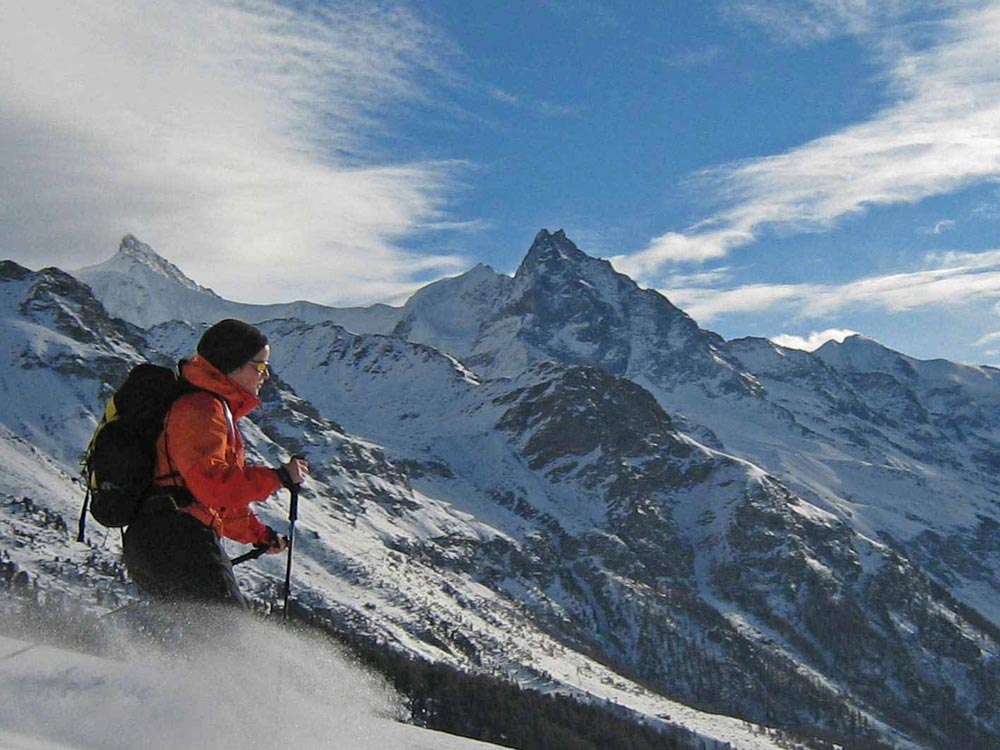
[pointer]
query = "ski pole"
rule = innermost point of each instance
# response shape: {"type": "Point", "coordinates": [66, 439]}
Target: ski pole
{"type": "Point", "coordinates": [293, 514]}
{"type": "Point", "coordinates": [251, 555]}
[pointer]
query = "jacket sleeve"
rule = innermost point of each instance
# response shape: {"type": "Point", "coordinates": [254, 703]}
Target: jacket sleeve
{"type": "Point", "coordinates": [244, 527]}
{"type": "Point", "coordinates": [211, 464]}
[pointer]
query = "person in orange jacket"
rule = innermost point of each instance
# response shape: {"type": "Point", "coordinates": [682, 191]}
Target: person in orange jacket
{"type": "Point", "coordinates": [202, 486]}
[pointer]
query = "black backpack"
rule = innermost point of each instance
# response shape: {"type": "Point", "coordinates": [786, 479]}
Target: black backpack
{"type": "Point", "coordinates": [120, 461]}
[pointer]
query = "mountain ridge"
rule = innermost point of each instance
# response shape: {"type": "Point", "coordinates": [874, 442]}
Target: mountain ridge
{"type": "Point", "coordinates": [568, 516]}
{"type": "Point", "coordinates": [140, 286]}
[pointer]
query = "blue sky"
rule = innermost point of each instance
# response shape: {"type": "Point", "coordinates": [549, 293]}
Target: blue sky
{"type": "Point", "coordinates": [796, 170]}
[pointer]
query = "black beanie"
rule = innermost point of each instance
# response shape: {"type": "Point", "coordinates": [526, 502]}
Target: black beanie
{"type": "Point", "coordinates": [230, 344]}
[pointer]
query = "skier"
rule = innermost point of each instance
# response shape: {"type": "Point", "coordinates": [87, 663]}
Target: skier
{"type": "Point", "coordinates": [202, 486]}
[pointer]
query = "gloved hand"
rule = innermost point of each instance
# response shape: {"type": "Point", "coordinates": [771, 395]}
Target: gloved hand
{"type": "Point", "coordinates": [293, 473]}
{"type": "Point", "coordinates": [274, 543]}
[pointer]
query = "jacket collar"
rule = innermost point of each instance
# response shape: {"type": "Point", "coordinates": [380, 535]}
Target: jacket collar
{"type": "Point", "coordinates": [200, 373]}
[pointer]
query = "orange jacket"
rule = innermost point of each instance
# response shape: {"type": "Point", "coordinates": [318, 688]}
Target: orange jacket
{"type": "Point", "coordinates": [201, 449]}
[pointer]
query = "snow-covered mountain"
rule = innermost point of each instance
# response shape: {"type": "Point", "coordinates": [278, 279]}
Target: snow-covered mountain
{"type": "Point", "coordinates": [139, 286]}
{"type": "Point", "coordinates": [565, 306]}
{"type": "Point", "coordinates": [371, 549]}
{"type": "Point", "coordinates": [879, 439]}
{"type": "Point", "coordinates": [561, 478]}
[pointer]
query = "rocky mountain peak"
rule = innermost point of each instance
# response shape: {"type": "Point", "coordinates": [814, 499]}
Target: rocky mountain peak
{"type": "Point", "coordinates": [134, 254]}
{"type": "Point", "coordinates": [133, 247]}
{"type": "Point", "coordinates": [550, 249]}
{"type": "Point", "coordinates": [11, 271]}
{"type": "Point", "coordinates": [138, 285]}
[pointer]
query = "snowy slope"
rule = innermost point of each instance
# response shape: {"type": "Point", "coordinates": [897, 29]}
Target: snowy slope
{"type": "Point", "coordinates": [293, 692]}
{"type": "Point", "coordinates": [603, 505]}
{"type": "Point", "coordinates": [396, 561]}
{"type": "Point", "coordinates": [579, 513]}
{"type": "Point", "coordinates": [879, 439]}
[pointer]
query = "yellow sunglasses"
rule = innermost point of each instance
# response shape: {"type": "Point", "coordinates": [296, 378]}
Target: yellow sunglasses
{"type": "Point", "coordinates": [263, 367]}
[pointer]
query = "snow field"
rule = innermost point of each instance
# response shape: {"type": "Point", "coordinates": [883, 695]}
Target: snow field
{"type": "Point", "coordinates": [255, 685]}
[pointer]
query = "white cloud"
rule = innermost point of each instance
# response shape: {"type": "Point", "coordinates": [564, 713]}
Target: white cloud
{"type": "Point", "coordinates": [989, 339]}
{"type": "Point", "coordinates": [941, 227]}
{"type": "Point", "coordinates": [675, 247]}
{"type": "Point", "coordinates": [952, 286]}
{"type": "Point", "coordinates": [963, 261]}
{"type": "Point", "coordinates": [709, 278]}
{"type": "Point", "coordinates": [803, 22]}
{"type": "Point", "coordinates": [232, 136]}
{"type": "Point", "coordinates": [707, 304]}
{"type": "Point", "coordinates": [939, 136]}
{"type": "Point", "coordinates": [814, 340]}
{"type": "Point", "coordinates": [953, 280]}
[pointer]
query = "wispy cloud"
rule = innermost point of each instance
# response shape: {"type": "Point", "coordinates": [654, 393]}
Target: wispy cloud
{"type": "Point", "coordinates": [940, 227]}
{"type": "Point", "coordinates": [804, 22]}
{"type": "Point", "coordinates": [950, 279]}
{"type": "Point", "coordinates": [706, 304]}
{"type": "Point", "coordinates": [990, 339]}
{"type": "Point", "coordinates": [240, 138]}
{"type": "Point", "coordinates": [990, 346]}
{"type": "Point", "coordinates": [814, 340]}
{"type": "Point", "coordinates": [940, 136]}
{"type": "Point", "coordinates": [537, 106]}
{"type": "Point", "coordinates": [505, 97]}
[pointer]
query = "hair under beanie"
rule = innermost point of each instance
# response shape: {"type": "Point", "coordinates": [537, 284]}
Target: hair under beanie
{"type": "Point", "coordinates": [230, 344]}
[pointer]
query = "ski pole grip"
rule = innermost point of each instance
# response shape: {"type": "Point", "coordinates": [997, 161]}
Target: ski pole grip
{"type": "Point", "coordinates": [286, 478]}
{"type": "Point", "coordinates": [251, 555]}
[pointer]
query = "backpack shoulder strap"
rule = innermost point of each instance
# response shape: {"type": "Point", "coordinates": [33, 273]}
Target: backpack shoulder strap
{"type": "Point", "coordinates": [230, 422]}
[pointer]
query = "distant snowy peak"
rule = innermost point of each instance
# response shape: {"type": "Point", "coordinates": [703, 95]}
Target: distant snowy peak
{"type": "Point", "coordinates": [140, 286]}
{"type": "Point", "coordinates": [449, 313]}
{"type": "Point", "coordinates": [861, 354]}
{"type": "Point", "coordinates": [549, 247]}
{"type": "Point", "coordinates": [858, 356]}
{"type": "Point", "coordinates": [555, 266]}
{"type": "Point", "coordinates": [135, 256]}
{"type": "Point", "coordinates": [565, 306]}
{"type": "Point", "coordinates": [578, 309]}
{"type": "Point", "coordinates": [561, 283]}
{"type": "Point", "coordinates": [143, 288]}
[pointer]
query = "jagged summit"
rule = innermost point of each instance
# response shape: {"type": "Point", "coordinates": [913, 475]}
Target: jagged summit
{"type": "Point", "coordinates": [566, 306]}
{"type": "Point", "coordinates": [144, 288]}
{"type": "Point", "coordinates": [135, 256]}
{"type": "Point", "coordinates": [551, 247]}
{"type": "Point", "coordinates": [11, 271]}
{"type": "Point", "coordinates": [132, 246]}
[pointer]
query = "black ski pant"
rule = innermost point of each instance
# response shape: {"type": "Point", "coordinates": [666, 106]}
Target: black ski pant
{"type": "Point", "coordinates": [172, 556]}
